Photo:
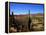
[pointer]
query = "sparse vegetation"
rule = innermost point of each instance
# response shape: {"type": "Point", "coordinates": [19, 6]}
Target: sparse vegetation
{"type": "Point", "coordinates": [37, 23]}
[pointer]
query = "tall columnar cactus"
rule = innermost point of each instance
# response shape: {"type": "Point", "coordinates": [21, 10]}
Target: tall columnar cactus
{"type": "Point", "coordinates": [29, 22]}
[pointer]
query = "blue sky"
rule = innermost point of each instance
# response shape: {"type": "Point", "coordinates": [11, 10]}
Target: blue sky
{"type": "Point", "coordinates": [24, 8]}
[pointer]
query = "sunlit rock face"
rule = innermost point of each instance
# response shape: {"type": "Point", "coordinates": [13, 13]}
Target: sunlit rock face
{"type": "Point", "coordinates": [38, 23]}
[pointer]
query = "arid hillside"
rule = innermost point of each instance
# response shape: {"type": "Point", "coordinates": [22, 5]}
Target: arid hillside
{"type": "Point", "coordinates": [36, 24]}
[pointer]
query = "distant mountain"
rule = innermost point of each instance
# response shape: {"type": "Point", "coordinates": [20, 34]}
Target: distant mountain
{"type": "Point", "coordinates": [28, 15]}
{"type": "Point", "coordinates": [37, 14]}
